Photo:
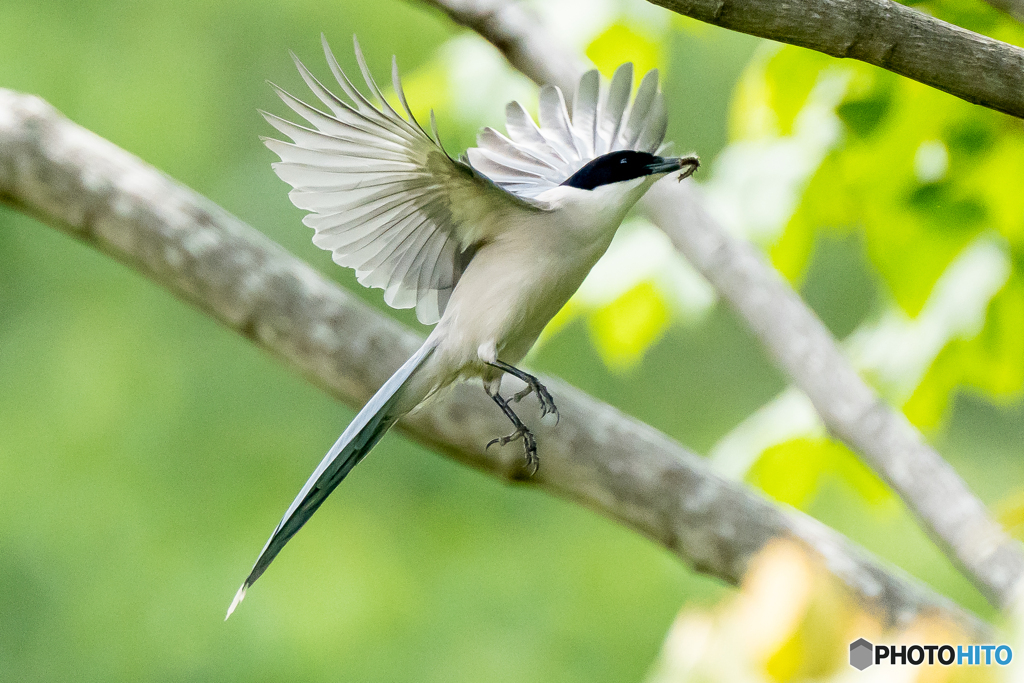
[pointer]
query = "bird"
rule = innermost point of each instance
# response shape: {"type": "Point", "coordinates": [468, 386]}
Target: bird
{"type": "Point", "coordinates": [487, 247]}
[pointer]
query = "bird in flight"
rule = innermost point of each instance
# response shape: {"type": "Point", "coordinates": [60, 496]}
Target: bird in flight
{"type": "Point", "coordinates": [489, 246]}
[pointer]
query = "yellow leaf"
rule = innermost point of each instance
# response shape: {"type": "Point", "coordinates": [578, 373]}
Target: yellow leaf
{"type": "Point", "coordinates": [626, 327]}
{"type": "Point", "coordinates": [619, 44]}
{"type": "Point", "coordinates": [426, 88]}
{"type": "Point", "coordinates": [790, 471]}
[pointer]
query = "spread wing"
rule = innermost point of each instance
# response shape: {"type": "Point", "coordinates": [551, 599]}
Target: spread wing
{"type": "Point", "coordinates": [384, 197]}
{"type": "Point", "coordinates": [532, 159]}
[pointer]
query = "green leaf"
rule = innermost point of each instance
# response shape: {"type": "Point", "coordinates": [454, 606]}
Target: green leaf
{"type": "Point", "coordinates": [773, 90]}
{"type": "Point", "coordinates": [820, 210]}
{"type": "Point", "coordinates": [992, 362]}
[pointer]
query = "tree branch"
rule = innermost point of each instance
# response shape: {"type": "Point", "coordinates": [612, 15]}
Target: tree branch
{"type": "Point", "coordinates": [803, 347]}
{"type": "Point", "coordinates": [598, 457]}
{"type": "Point", "coordinates": [520, 37]}
{"type": "Point", "coordinates": [797, 340]}
{"type": "Point", "coordinates": [970, 66]}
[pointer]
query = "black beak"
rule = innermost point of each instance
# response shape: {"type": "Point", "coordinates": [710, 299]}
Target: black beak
{"type": "Point", "coordinates": [687, 165]}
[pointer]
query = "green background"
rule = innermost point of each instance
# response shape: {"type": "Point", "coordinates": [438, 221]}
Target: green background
{"type": "Point", "coordinates": [146, 452]}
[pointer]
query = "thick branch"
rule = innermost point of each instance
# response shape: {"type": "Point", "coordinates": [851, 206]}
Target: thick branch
{"type": "Point", "coordinates": [903, 40]}
{"type": "Point", "coordinates": [807, 352]}
{"type": "Point", "coordinates": [89, 188]}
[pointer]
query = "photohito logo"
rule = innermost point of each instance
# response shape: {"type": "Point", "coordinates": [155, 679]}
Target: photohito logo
{"type": "Point", "coordinates": [863, 654]}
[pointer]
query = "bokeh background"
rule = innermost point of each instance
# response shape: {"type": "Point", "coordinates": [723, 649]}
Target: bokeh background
{"type": "Point", "coordinates": [146, 452]}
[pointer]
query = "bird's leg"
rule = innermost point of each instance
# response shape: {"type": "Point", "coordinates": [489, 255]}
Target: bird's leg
{"type": "Point", "coordinates": [521, 432]}
{"type": "Point", "coordinates": [547, 404]}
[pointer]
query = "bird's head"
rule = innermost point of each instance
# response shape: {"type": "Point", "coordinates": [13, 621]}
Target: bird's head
{"type": "Point", "coordinates": [618, 179]}
{"type": "Point", "coordinates": [629, 166]}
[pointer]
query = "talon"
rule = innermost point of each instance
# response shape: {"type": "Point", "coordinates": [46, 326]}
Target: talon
{"type": "Point", "coordinates": [529, 446]}
{"type": "Point", "coordinates": [532, 461]}
{"type": "Point", "coordinates": [547, 404]}
{"type": "Point", "coordinates": [520, 433]}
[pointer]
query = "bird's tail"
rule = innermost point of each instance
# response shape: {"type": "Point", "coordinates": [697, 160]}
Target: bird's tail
{"type": "Point", "coordinates": [362, 434]}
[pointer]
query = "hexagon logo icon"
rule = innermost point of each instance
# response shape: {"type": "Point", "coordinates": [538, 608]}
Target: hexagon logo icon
{"type": "Point", "coordinates": [861, 652]}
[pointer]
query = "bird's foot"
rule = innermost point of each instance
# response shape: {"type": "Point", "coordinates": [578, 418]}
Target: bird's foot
{"type": "Point", "coordinates": [547, 404]}
{"type": "Point", "coordinates": [529, 445]}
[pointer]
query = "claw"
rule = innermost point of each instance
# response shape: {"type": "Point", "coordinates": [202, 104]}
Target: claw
{"type": "Point", "coordinates": [522, 432]}
{"type": "Point", "coordinates": [547, 403]}
{"type": "Point", "coordinates": [532, 461]}
{"type": "Point", "coordinates": [529, 445]}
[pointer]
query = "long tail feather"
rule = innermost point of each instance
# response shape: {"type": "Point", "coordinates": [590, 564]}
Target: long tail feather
{"type": "Point", "coordinates": [376, 417]}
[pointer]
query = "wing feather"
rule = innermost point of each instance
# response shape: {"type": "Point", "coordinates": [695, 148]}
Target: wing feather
{"type": "Point", "coordinates": [384, 197]}
{"type": "Point", "coordinates": [527, 135]}
{"type": "Point", "coordinates": [638, 113]}
{"type": "Point", "coordinates": [344, 157]}
{"type": "Point", "coordinates": [396, 83]}
{"type": "Point", "coordinates": [555, 125]}
{"type": "Point", "coordinates": [382, 262]}
{"type": "Point", "coordinates": [524, 159]}
{"type": "Point", "coordinates": [351, 197]}
{"type": "Point", "coordinates": [387, 199]}
{"type": "Point", "coordinates": [618, 98]}
{"type": "Point", "coordinates": [427, 303]}
{"type": "Point", "coordinates": [522, 129]}
{"type": "Point", "coordinates": [318, 139]}
{"type": "Point", "coordinates": [655, 128]}
{"type": "Point", "coordinates": [396, 294]}
{"type": "Point", "coordinates": [354, 121]}
{"type": "Point", "coordinates": [533, 159]}
{"type": "Point", "coordinates": [494, 166]}
{"type": "Point", "coordinates": [584, 112]}
{"type": "Point", "coordinates": [388, 111]}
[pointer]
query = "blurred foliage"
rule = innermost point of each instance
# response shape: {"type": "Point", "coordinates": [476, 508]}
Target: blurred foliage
{"type": "Point", "coordinates": [920, 175]}
{"type": "Point", "coordinates": [991, 363]}
{"type": "Point", "coordinates": [792, 471]}
{"type": "Point", "coordinates": [627, 326]}
{"type": "Point", "coordinates": [621, 43]}
{"type": "Point", "coordinates": [794, 621]}
{"type": "Point", "coordinates": [914, 177]}
{"type": "Point", "coordinates": [145, 453]}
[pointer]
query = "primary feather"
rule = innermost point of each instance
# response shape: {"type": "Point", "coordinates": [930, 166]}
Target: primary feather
{"type": "Point", "coordinates": [387, 200]}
